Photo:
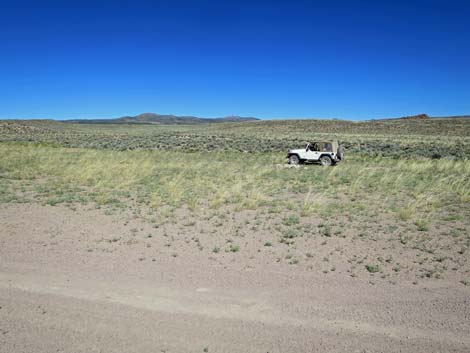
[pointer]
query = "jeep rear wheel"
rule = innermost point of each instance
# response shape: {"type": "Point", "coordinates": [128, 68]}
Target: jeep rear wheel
{"type": "Point", "coordinates": [326, 160]}
{"type": "Point", "coordinates": [294, 160]}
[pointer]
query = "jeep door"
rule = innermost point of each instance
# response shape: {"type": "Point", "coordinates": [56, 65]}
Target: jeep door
{"type": "Point", "coordinates": [313, 152]}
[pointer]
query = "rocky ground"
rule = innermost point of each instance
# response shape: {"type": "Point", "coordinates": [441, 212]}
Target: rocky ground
{"type": "Point", "coordinates": [78, 280]}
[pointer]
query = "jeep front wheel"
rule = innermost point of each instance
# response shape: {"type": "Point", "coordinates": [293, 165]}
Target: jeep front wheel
{"type": "Point", "coordinates": [326, 160]}
{"type": "Point", "coordinates": [294, 160]}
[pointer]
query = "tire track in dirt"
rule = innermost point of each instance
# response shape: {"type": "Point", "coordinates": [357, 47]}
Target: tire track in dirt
{"type": "Point", "coordinates": [206, 302]}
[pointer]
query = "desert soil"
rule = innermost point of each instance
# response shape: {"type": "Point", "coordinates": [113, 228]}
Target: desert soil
{"type": "Point", "coordinates": [81, 281]}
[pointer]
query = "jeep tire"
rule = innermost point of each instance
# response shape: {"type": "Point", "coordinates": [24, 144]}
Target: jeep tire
{"type": "Point", "coordinates": [294, 159]}
{"type": "Point", "coordinates": [340, 152]}
{"type": "Point", "coordinates": [326, 161]}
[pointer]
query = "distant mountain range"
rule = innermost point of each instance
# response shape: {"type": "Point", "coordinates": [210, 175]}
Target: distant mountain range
{"type": "Point", "coordinates": [151, 118]}
{"type": "Point", "coordinates": [165, 119]}
{"type": "Point", "coordinates": [423, 117]}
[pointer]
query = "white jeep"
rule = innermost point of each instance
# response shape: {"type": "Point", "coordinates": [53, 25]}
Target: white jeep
{"type": "Point", "coordinates": [326, 152]}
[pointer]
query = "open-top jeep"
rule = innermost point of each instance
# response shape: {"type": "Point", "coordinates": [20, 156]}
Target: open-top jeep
{"type": "Point", "coordinates": [326, 152]}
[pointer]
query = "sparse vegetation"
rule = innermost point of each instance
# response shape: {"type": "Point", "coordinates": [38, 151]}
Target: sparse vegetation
{"type": "Point", "coordinates": [431, 138]}
{"type": "Point", "coordinates": [234, 248]}
{"type": "Point", "coordinates": [198, 179]}
{"type": "Point", "coordinates": [373, 268]}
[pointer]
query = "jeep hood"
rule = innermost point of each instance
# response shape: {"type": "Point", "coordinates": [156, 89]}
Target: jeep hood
{"type": "Point", "coordinates": [298, 150]}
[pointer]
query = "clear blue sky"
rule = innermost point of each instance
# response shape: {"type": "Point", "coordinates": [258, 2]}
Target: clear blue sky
{"type": "Point", "coordinates": [270, 59]}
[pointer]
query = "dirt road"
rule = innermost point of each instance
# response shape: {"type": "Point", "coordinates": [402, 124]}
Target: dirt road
{"type": "Point", "coordinates": [57, 295]}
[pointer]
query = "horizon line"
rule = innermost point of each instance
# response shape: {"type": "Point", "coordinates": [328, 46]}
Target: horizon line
{"type": "Point", "coordinates": [240, 116]}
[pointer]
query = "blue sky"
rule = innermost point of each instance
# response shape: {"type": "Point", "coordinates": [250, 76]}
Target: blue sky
{"type": "Point", "coordinates": [270, 59]}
